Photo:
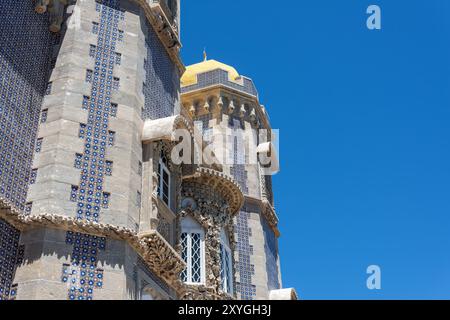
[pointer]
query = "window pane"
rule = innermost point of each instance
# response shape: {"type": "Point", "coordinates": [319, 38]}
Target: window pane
{"type": "Point", "coordinates": [225, 269]}
{"type": "Point", "coordinates": [228, 271]}
{"type": "Point", "coordinates": [159, 179]}
{"type": "Point", "coordinates": [165, 177]}
{"type": "Point", "coordinates": [165, 190]}
{"type": "Point", "coordinates": [165, 198]}
{"type": "Point", "coordinates": [222, 267]}
{"type": "Point", "coordinates": [184, 249]}
{"type": "Point", "coordinates": [195, 258]}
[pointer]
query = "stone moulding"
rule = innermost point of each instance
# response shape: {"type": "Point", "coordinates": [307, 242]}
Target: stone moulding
{"type": "Point", "coordinates": [166, 32]}
{"type": "Point", "coordinates": [271, 216]}
{"type": "Point", "coordinates": [159, 255]}
{"type": "Point", "coordinates": [222, 184]}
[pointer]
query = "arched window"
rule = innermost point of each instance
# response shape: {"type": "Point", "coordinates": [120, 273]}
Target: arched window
{"type": "Point", "coordinates": [193, 251]}
{"type": "Point", "coordinates": [226, 264]}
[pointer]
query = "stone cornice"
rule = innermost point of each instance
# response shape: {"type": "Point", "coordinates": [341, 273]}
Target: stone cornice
{"type": "Point", "coordinates": [159, 255]}
{"type": "Point", "coordinates": [165, 31]}
{"type": "Point", "coordinates": [270, 215]}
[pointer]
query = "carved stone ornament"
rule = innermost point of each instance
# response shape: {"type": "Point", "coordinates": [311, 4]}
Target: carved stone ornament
{"type": "Point", "coordinates": [215, 198]}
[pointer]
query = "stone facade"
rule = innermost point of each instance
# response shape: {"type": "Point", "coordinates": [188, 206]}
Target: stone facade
{"type": "Point", "coordinates": [92, 205]}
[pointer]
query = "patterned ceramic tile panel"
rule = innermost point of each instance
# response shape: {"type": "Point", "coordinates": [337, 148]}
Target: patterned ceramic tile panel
{"type": "Point", "coordinates": [82, 275]}
{"type": "Point", "coordinates": [245, 269]}
{"type": "Point", "coordinates": [11, 255]}
{"type": "Point", "coordinates": [238, 171]}
{"type": "Point", "coordinates": [89, 194]}
{"type": "Point", "coordinates": [271, 251]}
{"type": "Point", "coordinates": [24, 63]}
{"type": "Point", "coordinates": [162, 81]}
{"type": "Point", "coordinates": [202, 124]}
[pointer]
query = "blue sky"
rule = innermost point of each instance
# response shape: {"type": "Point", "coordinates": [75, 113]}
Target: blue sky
{"type": "Point", "coordinates": [364, 135]}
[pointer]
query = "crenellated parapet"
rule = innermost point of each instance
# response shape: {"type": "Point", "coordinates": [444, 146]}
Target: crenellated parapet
{"type": "Point", "coordinates": [220, 102]}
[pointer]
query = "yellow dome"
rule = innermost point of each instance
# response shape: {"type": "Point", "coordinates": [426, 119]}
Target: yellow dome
{"type": "Point", "coordinates": [190, 75]}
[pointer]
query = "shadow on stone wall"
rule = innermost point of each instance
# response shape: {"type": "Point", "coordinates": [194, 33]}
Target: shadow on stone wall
{"type": "Point", "coordinates": [51, 249]}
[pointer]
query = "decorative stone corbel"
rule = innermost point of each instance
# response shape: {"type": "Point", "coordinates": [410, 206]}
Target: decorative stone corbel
{"type": "Point", "coordinates": [220, 102]}
{"type": "Point", "coordinates": [41, 6]}
{"type": "Point", "coordinates": [253, 115]}
{"type": "Point", "coordinates": [231, 107]}
{"type": "Point", "coordinates": [192, 110]}
{"type": "Point", "coordinates": [242, 110]}
{"type": "Point", "coordinates": [206, 106]}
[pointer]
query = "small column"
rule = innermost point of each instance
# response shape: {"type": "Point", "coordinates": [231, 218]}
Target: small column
{"type": "Point", "coordinates": [149, 186]}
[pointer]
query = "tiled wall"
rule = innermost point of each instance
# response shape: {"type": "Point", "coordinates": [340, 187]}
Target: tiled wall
{"type": "Point", "coordinates": [11, 254]}
{"type": "Point", "coordinates": [25, 46]}
{"type": "Point", "coordinates": [271, 251]}
{"type": "Point", "coordinates": [162, 81]}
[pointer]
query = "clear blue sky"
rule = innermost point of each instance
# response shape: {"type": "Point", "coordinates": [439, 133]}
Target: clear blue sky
{"type": "Point", "coordinates": [364, 118]}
